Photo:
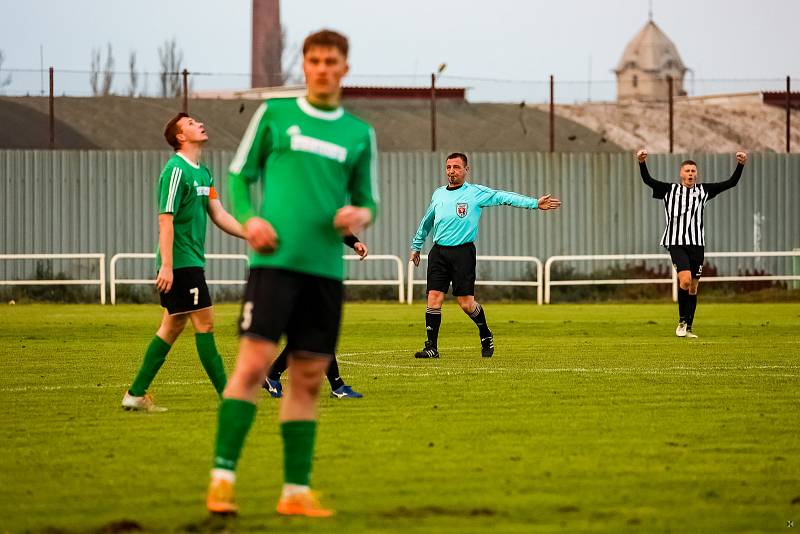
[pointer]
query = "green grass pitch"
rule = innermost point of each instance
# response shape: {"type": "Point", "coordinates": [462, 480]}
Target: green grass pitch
{"type": "Point", "coordinates": [589, 418]}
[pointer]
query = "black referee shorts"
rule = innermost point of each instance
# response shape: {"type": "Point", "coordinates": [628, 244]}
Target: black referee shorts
{"type": "Point", "coordinates": [307, 308]}
{"type": "Point", "coordinates": [688, 258]}
{"type": "Point", "coordinates": [189, 292]}
{"type": "Point", "coordinates": [452, 264]}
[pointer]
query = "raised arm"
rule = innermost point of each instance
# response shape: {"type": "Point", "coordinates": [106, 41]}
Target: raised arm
{"type": "Point", "coordinates": [660, 189]}
{"type": "Point", "coordinates": [715, 189]}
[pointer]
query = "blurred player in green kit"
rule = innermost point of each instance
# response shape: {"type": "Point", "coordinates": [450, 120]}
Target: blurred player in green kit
{"type": "Point", "coordinates": [316, 167]}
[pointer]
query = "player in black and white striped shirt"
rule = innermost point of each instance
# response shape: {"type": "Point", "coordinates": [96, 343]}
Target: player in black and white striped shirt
{"type": "Point", "coordinates": [684, 236]}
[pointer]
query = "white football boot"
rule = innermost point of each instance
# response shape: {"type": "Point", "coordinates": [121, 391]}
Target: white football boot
{"type": "Point", "coordinates": [144, 403]}
{"type": "Point", "coordinates": [681, 330]}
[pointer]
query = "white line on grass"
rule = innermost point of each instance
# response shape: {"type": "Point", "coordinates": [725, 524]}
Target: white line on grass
{"type": "Point", "coordinates": [433, 370]}
{"type": "Point", "coordinates": [673, 370]}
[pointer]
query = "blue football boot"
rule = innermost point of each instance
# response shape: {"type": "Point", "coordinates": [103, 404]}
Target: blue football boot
{"type": "Point", "coordinates": [274, 387]}
{"type": "Point", "coordinates": [346, 392]}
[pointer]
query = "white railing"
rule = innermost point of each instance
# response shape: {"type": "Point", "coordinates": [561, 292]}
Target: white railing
{"type": "Point", "coordinates": [389, 282]}
{"type": "Point", "coordinates": [113, 280]}
{"type": "Point", "coordinates": [532, 259]}
{"type": "Point", "coordinates": [543, 281]}
{"type": "Point", "coordinates": [548, 282]}
{"type": "Point", "coordinates": [755, 277]}
{"type": "Point", "coordinates": [101, 281]}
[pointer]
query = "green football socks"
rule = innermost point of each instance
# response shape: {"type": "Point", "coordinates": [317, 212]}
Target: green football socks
{"type": "Point", "coordinates": [153, 360]}
{"type": "Point", "coordinates": [211, 360]}
{"type": "Point", "coordinates": [298, 451]}
{"type": "Point", "coordinates": [235, 419]}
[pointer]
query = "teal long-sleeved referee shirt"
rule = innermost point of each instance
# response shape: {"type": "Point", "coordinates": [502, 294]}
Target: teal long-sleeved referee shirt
{"type": "Point", "coordinates": [454, 214]}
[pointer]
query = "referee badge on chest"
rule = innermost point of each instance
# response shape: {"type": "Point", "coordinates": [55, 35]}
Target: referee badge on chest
{"type": "Point", "coordinates": [461, 209]}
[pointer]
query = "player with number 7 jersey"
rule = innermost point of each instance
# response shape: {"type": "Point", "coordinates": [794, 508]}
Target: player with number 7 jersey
{"type": "Point", "coordinates": [186, 198]}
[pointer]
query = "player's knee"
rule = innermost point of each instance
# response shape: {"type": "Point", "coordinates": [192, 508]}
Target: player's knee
{"type": "Point", "coordinates": [312, 388]}
{"type": "Point", "coordinates": [170, 331]}
{"type": "Point", "coordinates": [306, 382]}
{"type": "Point", "coordinates": [251, 371]}
{"type": "Point", "coordinates": [435, 299]}
{"type": "Point", "coordinates": [204, 327]}
{"type": "Point", "coordinates": [467, 305]}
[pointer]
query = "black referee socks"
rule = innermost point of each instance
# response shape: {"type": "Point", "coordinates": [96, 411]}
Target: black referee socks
{"type": "Point", "coordinates": [479, 318]}
{"type": "Point", "coordinates": [433, 320]}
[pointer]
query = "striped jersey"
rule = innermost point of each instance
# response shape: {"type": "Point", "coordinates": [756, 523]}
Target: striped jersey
{"type": "Point", "coordinates": [308, 162]}
{"type": "Point", "coordinates": [184, 190]}
{"type": "Point", "coordinates": [454, 214]}
{"type": "Point", "coordinates": [684, 207]}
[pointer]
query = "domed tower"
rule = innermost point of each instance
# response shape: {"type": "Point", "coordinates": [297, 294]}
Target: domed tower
{"type": "Point", "coordinates": [648, 60]}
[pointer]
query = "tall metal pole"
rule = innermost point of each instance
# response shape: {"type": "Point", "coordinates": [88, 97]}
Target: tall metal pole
{"type": "Point", "coordinates": [52, 114]}
{"type": "Point", "coordinates": [433, 112]}
{"type": "Point", "coordinates": [669, 85]}
{"type": "Point", "coordinates": [788, 113]}
{"type": "Point", "coordinates": [552, 117]}
{"type": "Point", "coordinates": [185, 108]}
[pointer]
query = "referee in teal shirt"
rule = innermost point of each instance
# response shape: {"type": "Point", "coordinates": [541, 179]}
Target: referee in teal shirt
{"type": "Point", "coordinates": [453, 215]}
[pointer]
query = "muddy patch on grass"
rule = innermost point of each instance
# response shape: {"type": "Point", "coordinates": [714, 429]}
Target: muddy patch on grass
{"type": "Point", "coordinates": [431, 511]}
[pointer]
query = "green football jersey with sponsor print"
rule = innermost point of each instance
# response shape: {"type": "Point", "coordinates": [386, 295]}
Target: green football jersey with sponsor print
{"type": "Point", "coordinates": [184, 190]}
{"type": "Point", "coordinates": [310, 162]}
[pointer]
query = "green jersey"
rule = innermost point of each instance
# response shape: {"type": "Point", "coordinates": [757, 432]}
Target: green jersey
{"type": "Point", "coordinates": [311, 162]}
{"type": "Point", "coordinates": [184, 190]}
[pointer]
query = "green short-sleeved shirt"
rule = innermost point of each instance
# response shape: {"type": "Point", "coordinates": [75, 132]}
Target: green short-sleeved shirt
{"type": "Point", "coordinates": [310, 162]}
{"type": "Point", "coordinates": [184, 190]}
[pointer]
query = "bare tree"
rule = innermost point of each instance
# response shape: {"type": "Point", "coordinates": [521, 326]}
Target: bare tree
{"type": "Point", "coordinates": [170, 58]}
{"type": "Point", "coordinates": [103, 89]}
{"type": "Point", "coordinates": [291, 56]}
{"type": "Point", "coordinates": [7, 80]}
{"type": "Point", "coordinates": [108, 73]}
{"type": "Point", "coordinates": [94, 77]}
{"type": "Point", "coordinates": [134, 74]}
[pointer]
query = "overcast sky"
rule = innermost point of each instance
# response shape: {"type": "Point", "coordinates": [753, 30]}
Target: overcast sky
{"type": "Point", "coordinates": [397, 43]}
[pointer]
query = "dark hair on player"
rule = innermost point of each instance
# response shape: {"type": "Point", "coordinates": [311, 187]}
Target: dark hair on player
{"type": "Point", "coordinates": [688, 162]}
{"type": "Point", "coordinates": [459, 155]}
{"type": "Point", "coordinates": [172, 130]}
{"type": "Point", "coordinates": [326, 38]}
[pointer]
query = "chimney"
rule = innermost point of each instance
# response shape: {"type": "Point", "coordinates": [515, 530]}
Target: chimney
{"type": "Point", "coordinates": [265, 69]}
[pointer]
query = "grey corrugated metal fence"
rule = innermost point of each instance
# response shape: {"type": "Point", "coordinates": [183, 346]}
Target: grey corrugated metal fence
{"type": "Point", "coordinates": [104, 201]}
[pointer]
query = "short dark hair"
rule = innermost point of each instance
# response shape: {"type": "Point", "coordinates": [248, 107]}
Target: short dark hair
{"type": "Point", "coordinates": [327, 39]}
{"type": "Point", "coordinates": [172, 130]}
{"type": "Point", "coordinates": [455, 155]}
{"type": "Point", "coordinates": [688, 162]}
